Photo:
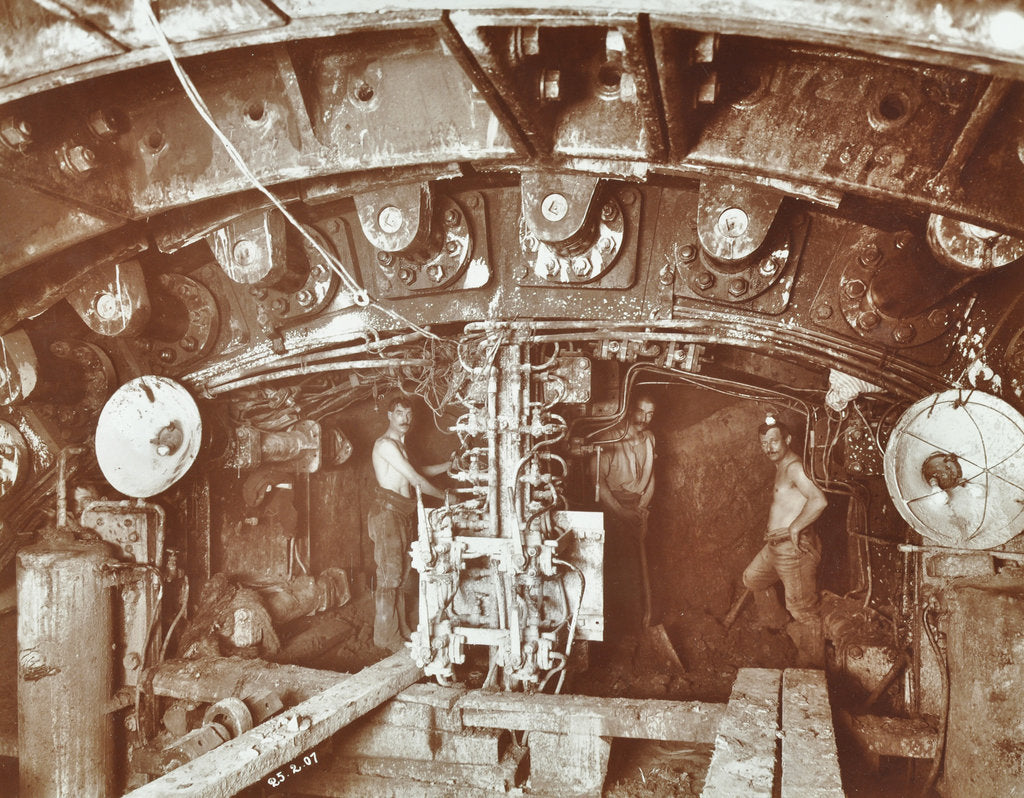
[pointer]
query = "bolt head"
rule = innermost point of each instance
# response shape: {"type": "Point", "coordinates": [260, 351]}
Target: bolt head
{"type": "Point", "coordinates": [769, 267]}
{"type": "Point", "coordinates": [609, 212]}
{"type": "Point", "coordinates": [733, 222]}
{"type": "Point", "coordinates": [390, 219]}
{"type": "Point", "coordinates": [279, 306]}
{"type": "Point", "coordinates": [305, 297]}
{"type": "Point", "coordinates": [243, 252]}
{"type": "Point", "coordinates": [106, 306]}
{"type": "Point", "coordinates": [855, 289]}
{"type": "Point", "coordinates": [530, 243]}
{"type": "Point", "coordinates": [16, 133]}
{"type": "Point", "coordinates": [823, 311]}
{"type": "Point", "coordinates": [903, 240]}
{"type": "Point", "coordinates": [452, 217]}
{"type": "Point", "coordinates": [581, 267]}
{"type": "Point", "coordinates": [871, 254]}
{"type": "Point", "coordinates": [605, 245]}
{"type": "Point", "coordinates": [407, 275]}
{"type": "Point", "coordinates": [167, 355]}
{"type": "Point", "coordinates": [80, 159]}
{"type": "Point", "coordinates": [738, 287]}
{"type": "Point", "coordinates": [385, 258]}
{"type": "Point", "coordinates": [868, 320]}
{"type": "Point", "coordinates": [550, 84]}
{"type": "Point", "coordinates": [102, 124]}
{"type": "Point", "coordinates": [451, 247]}
{"type": "Point", "coordinates": [258, 291]}
{"type": "Point", "coordinates": [189, 343]}
{"type": "Point", "coordinates": [939, 317]}
{"type": "Point", "coordinates": [705, 280]}
{"type": "Point", "coordinates": [688, 253]}
{"type": "Point", "coordinates": [554, 207]}
{"type": "Point", "coordinates": [904, 334]}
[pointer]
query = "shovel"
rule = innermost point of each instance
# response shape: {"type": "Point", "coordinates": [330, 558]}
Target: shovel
{"type": "Point", "coordinates": [655, 637]}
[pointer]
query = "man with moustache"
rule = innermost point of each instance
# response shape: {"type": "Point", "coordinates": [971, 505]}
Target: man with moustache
{"type": "Point", "coordinates": [791, 552]}
{"type": "Point", "coordinates": [625, 477]}
{"type": "Point", "coordinates": [392, 525]}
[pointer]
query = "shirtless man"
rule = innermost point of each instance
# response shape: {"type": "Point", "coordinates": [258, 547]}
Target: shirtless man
{"type": "Point", "coordinates": [625, 478]}
{"type": "Point", "coordinates": [392, 525]}
{"type": "Point", "coordinates": [791, 552]}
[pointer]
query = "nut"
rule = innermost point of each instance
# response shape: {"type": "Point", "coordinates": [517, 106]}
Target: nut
{"type": "Point", "coordinates": [868, 320]}
{"type": "Point", "coordinates": [738, 287]}
{"type": "Point", "coordinates": [305, 297]}
{"type": "Point", "coordinates": [16, 133]}
{"type": "Point", "coordinates": [103, 124]}
{"type": "Point", "coordinates": [938, 317]}
{"type": "Point", "coordinates": [79, 159]}
{"type": "Point", "coordinates": [452, 217]}
{"type": "Point", "coordinates": [705, 280]}
{"type": "Point", "coordinates": [609, 212]}
{"type": "Point", "coordinates": [580, 267]}
{"type": "Point", "coordinates": [904, 334]}
{"type": "Point", "coordinates": [385, 258]}
{"type": "Point", "coordinates": [550, 84]}
{"type": "Point", "coordinates": [452, 247]}
{"type": "Point", "coordinates": [688, 253]}
{"type": "Point", "coordinates": [189, 343]}
{"type": "Point", "coordinates": [279, 306]}
{"type": "Point", "coordinates": [855, 289]}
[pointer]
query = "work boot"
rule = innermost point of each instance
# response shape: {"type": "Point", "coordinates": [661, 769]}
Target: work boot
{"type": "Point", "coordinates": [809, 642]}
{"type": "Point", "coordinates": [771, 614]}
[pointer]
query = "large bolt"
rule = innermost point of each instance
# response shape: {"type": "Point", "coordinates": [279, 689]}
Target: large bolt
{"type": "Point", "coordinates": [279, 306]}
{"type": "Point", "coordinates": [605, 245]}
{"type": "Point", "coordinates": [189, 343]}
{"type": "Point", "coordinates": [106, 306]}
{"type": "Point", "coordinates": [938, 317]}
{"type": "Point", "coordinates": [705, 280]}
{"type": "Point", "coordinates": [452, 217]}
{"type": "Point", "coordinates": [733, 222]}
{"type": "Point", "coordinates": [550, 84]}
{"type": "Point", "coordinates": [390, 219]}
{"type": "Point", "coordinates": [407, 275]}
{"type": "Point", "coordinates": [769, 267]}
{"type": "Point", "coordinates": [581, 267]}
{"type": "Point", "coordinates": [871, 255]}
{"type": "Point", "coordinates": [688, 253]}
{"type": "Point", "coordinates": [609, 212]}
{"type": "Point", "coordinates": [452, 247]}
{"type": "Point", "coordinates": [167, 355]}
{"type": "Point", "coordinates": [904, 334]}
{"type": "Point", "coordinates": [79, 159]}
{"type": "Point", "coordinates": [738, 287]}
{"type": "Point", "coordinates": [855, 289]}
{"type": "Point", "coordinates": [258, 291]}
{"type": "Point", "coordinates": [16, 133]}
{"type": "Point", "coordinates": [554, 207]}
{"type": "Point", "coordinates": [868, 320]}
{"type": "Point", "coordinates": [305, 297]}
{"type": "Point", "coordinates": [103, 124]}
{"type": "Point", "coordinates": [243, 252]}
{"type": "Point", "coordinates": [385, 258]}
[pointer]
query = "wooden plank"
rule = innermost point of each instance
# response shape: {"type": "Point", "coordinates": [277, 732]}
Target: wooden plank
{"type": "Point", "coordinates": [249, 757]}
{"type": "Point", "coordinates": [744, 759]}
{"type": "Point", "coordinates": [469, 747]}
{"type": "Point", "coordinates": [881, 736]}
{"type": "Point", "coordinates": [568, 764]}
{"type": "Point", "coordinates": [346, 785]}
{"type": "Point", "coordinates": [498, 777]}
{"type": "Point", "coordinates": [650, 719]}
{"type": "Point", "coordinates": [810, 761]}
{"type": "Point", "coordinates": [209, 679]}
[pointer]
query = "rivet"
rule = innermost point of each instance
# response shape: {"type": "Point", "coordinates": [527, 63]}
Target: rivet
{"type": "Point", "coordinates": [390, 219]}
{"type": "Point", "coordinates": [823, 311]}
{"type": "Point", "coordinates": [554, 207]}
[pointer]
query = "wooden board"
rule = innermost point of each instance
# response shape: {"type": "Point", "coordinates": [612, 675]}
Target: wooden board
{"type": "Point", "coordinates": [251, 756]}
{"type": "Point", "coordinates": [744, 759]}
{"type": "Point", "coordinates": [810, 762]}
{"type": "Point", "coordinates": [683, 721]}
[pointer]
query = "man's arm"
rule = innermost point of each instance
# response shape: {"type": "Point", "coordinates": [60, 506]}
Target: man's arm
{"type": "Point", "coordinates": [648, 494]}
{"type": "Point", "coordinates": [436, 470]}
{"type": "Point", "coordinates": [391, 454]}
{"type": "Point", "coordinates": [814, 502]}
{"type": "Point", "coordinates": [605, 496]}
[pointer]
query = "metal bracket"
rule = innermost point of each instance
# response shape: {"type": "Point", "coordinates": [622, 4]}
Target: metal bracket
{"type": "Point", "coordinates": [113, 300]}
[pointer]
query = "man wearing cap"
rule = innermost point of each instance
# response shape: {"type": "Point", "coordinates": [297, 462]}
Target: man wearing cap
{"type": "Point", "coordinates": [392, 525]}
{"type": "Point", "coordinates": [791, 552]}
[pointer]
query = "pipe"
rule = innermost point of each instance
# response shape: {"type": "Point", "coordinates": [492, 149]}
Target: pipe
{"type": "Point", "coordinates": [316, 368]}
{"type": "Point", "coordinates": [940, 744]}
